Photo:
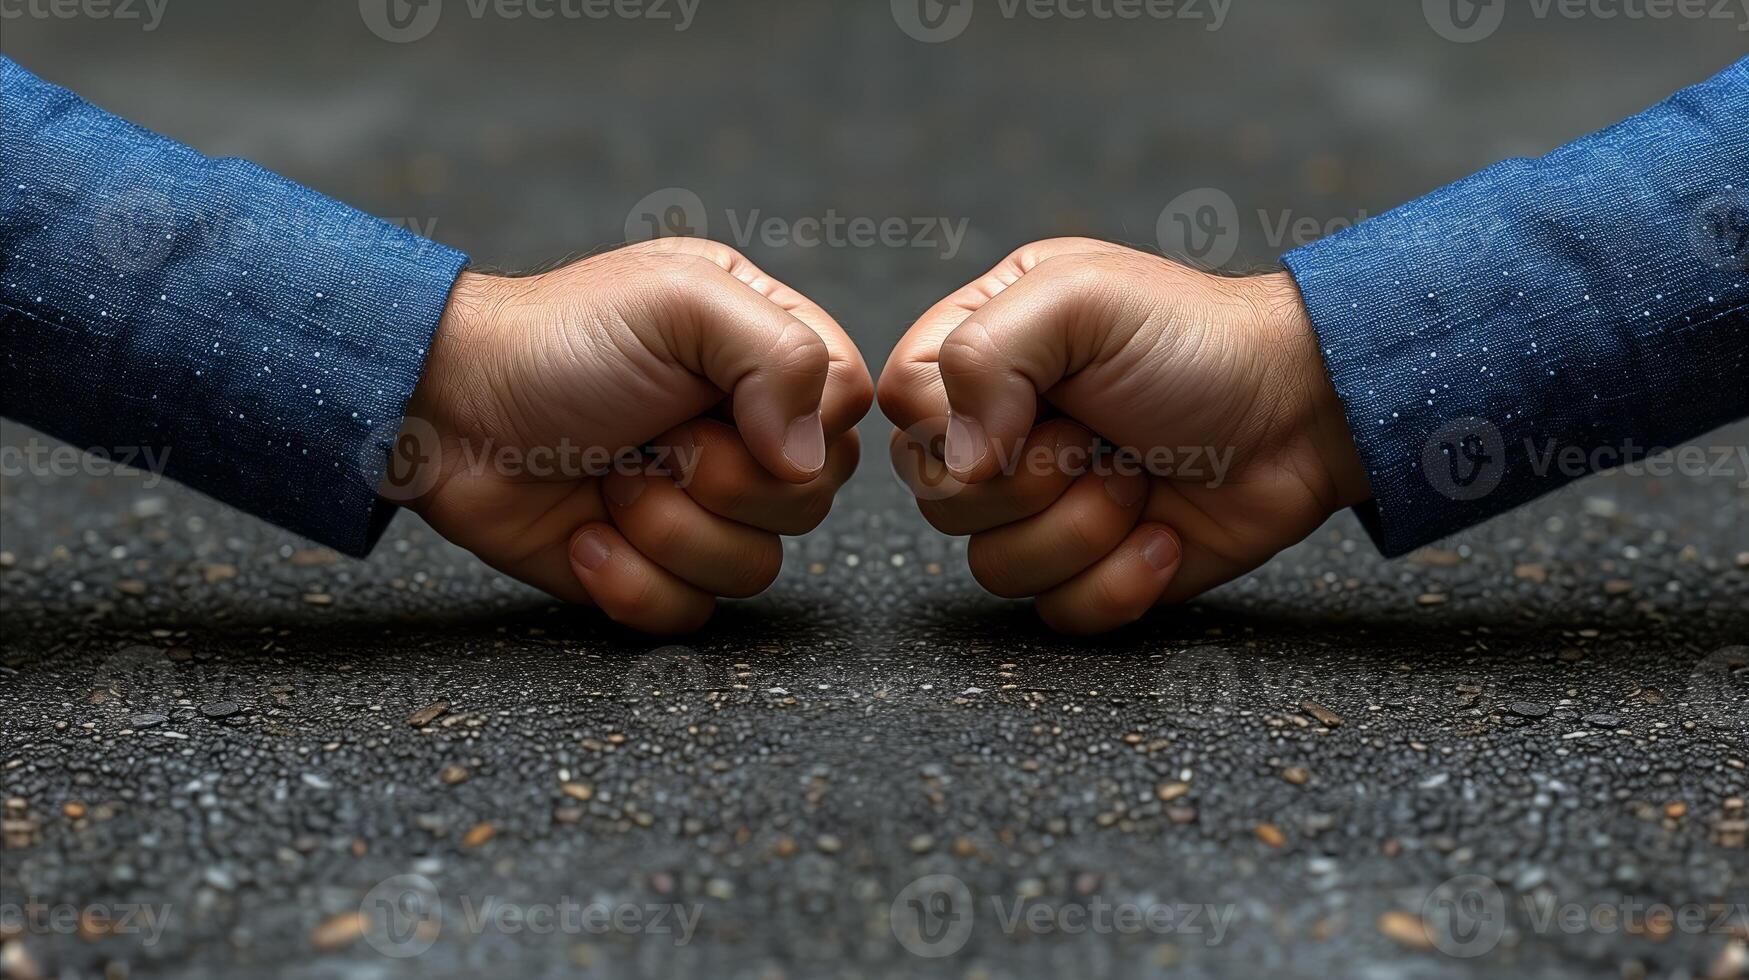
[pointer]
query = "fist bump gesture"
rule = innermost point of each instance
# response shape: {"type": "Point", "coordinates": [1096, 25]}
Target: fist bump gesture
{"type": "Point", "coordinates": [1116, 431]}
{"type": "Point", "coordinates": [634, 430]}
{"type": "Point", "coordinates": [1113, 430]}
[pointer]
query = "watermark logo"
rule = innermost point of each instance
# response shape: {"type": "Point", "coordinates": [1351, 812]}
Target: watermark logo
{"type": "Point", "coordinates": [1464, 21]}
{"type": "Point", "coordinates": [137, 676]}
{"type": "Point", "coordinates": [1721, 232]}
{"type": "Point", "coordinates": [672, 671]}
{"type": "Point", "coordinates": [409, 457]}
{"type": "Point", "coordinates": [38, 458]}
{"type": "Point", "coordinates": [401, 21]}
{"type": "Point", "coordinates": [1718, 689]}
{"type": "Point", "coordinates": [1469, 21]}
{"type": "Point", "coordinates": [672, 212]}
{"type": "Point", "coordinates": [932, 21]}
{"type": "Point", "coordinates": [936, 21]}
{"type": "Point", "coordinates": [676, 212]}
{"type": "Point", "coordinates": [143, 923]}
{"type": "Point", "coordinates": [148, 13]}
{"type": "Point", "coordinates": [414, 461]}
{"type": "Point", "coordinates": [145, 215]}
{"type": "Point", "coordinates": [405, 915]}
{"type": "Point", "coordinates": [405, 21]}
{"type": "Point", "coordinates": [1200, 227]}
{"type": "Point", "coordinates": [933, 916]}
{"type": "Point", "coordinates": [135, 225]}
{"type": "Point", "coordinates": [919, 451]}
{"type": "Point", "coordinates": [1465, 917]}
{"type": "Point", "coordinates": [1465, 459]}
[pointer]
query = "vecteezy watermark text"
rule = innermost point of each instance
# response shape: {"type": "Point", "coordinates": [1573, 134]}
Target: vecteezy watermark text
{"type": "Point", "coordinates": [38, 458]}
{"type": "Point", "coordinates": [919, 451]}
{"type": "Point", "coordinates": [1467, 458]}
{"type": "Point", "coordinates": [404, 21]}
{"type": "Point", "coordinates": [679, 212]}
{"type": "Point", "coordinates": [1469, 21]}
{"type": "Point", "coordinates": [147, 13]}
{"type": "Point", "coordinates": [405, 915]}
{"type": "Point", "coordinates": [1466, 916]}
{"type": "Point", "coordinates": [934, 916]}
{"type": "Point", "coordinates": [419, 457]}
{"type": "Point", "coordinates": [936, 21]}
{"type": "Point", "coordinates": [90, 920]}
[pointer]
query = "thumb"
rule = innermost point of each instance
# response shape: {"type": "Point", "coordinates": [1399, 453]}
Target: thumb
{"type": "Point", "coordinates": [997, 364]}
{"type": "Point", "coordinates": [772, 364]}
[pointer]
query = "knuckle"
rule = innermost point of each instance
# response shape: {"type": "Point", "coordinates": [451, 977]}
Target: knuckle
{"type": "Point", "coordinates": [1113, 601]}
{"type": "Point", "coordinates": [992, 569]}
{"type": "Point", "coordinates": [965, 352]}
{"type": "Point", "coordinates": [761, 568]}
{"type": "Point", "coordinates": [811, 512]}
{"type": "Point", "coordinates": [1076, 272]}
{"type": "Point", "coordinates": [1084, 531]}
{"type": "Point", "coordinates": [806, 355]}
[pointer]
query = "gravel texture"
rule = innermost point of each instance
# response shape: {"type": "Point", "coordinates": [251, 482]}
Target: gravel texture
{"type": "Point", "coordinates": [262, 743]}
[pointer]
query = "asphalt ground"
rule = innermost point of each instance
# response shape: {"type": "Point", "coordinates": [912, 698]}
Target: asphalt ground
{"type": "Point", "coordinates": [237, 755]}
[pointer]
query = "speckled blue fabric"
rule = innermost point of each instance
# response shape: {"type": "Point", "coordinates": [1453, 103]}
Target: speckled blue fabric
{"type": "Point", "coordinates": [259, 338]}
{"type": "Point", "coordinates": [1513, 331]}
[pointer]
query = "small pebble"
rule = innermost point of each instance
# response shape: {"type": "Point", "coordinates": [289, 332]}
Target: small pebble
{"type": "Point", "coordinates": [428, 714]}
{"type": "Point", "coordinates": [1405, 929]}
{"type": "Point", "coordinates": [339, 932]}
{"type": "Point", "coordinates": [1529, 709]}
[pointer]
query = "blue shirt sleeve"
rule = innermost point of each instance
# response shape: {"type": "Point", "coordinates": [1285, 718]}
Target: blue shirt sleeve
{"type": "Point", "coordinates": [1544, 318]}
{"type": "Point", "coordinates": [255, 338]}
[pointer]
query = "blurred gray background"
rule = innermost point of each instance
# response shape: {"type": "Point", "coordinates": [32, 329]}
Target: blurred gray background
{"type": "Point", "coordinates": [875, 718]}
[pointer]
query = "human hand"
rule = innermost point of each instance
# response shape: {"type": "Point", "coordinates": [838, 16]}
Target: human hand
{"type": "Point", "coordinates": [1153, 358]}
{"type": "Point", "coordinates": [572, 428]}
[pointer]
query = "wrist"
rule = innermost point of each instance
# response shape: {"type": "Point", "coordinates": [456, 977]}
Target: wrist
{"type": "Point", "coordinates": [435, 421]}
{"type": "Point", "coordinates": [1315, 412]}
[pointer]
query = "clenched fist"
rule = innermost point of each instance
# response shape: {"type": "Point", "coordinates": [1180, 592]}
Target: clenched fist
{"type": "Point", "coordinates": [1115, 430]}
{"type": "Point", "coordinates": [633, 430]}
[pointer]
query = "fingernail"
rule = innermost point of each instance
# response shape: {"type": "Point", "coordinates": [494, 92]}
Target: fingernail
{"type": "Point", "coordinates": [966, 443]}
{"type": "Point", "coordinates": [624, 490]}
{"type": "Point", "coordinates": [1161, 551]}
{"type": "Point", "coordinates": [1126, 489]}
{"type": "Point", "coordinates": [590, 550]}
{"type": "Point", "coordinates": [805, 444]}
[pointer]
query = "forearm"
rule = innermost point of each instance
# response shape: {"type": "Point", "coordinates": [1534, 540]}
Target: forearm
{"type": "Point", "coordinates": [259, 338]}
{"type": "Point", "coordinates": [1593, 299]}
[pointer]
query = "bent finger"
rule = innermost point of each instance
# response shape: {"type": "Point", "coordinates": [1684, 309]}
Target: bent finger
{"type": "Point", "coordinates": [1041, 552]}
{"type": "Point", "coordinates": [720, 556]}
{"type": "Point", "coordinates": [630, 588]}
{"type": "Point", "coordinates": [849, 390]}
{"type": "Point", "coordinates": [717, 470]}
{"type": "Point", "coordinates": [1119, 589]}
{"type": "Point", "coordinates": [1055, 454]}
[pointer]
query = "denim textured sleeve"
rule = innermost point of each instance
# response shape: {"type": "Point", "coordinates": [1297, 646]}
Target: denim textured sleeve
{"type": "Point", "coordinates": [1545, 318]}
{"type": "Point", "coordinates": [257, 339]}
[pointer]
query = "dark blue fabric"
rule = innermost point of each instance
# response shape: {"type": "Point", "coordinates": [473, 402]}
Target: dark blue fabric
{"type": "Point", "coordinates": [1594, 299]}
{"type": "Point", "coordinates": [264, 339]}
